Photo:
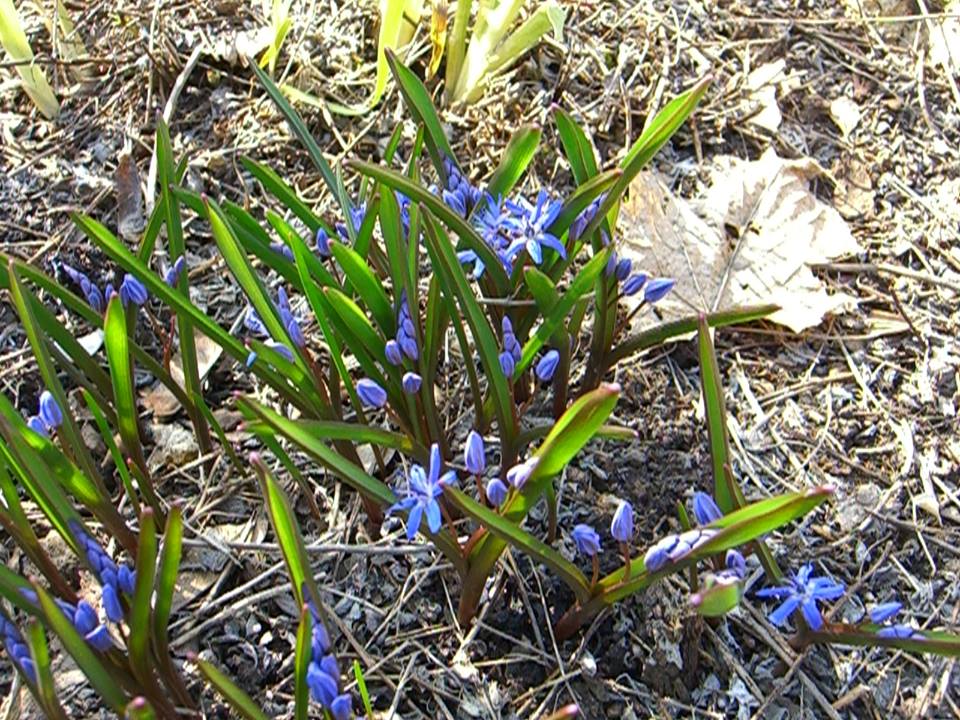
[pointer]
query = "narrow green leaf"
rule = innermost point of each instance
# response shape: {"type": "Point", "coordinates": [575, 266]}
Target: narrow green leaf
{"type": "Point", "coordinates": [576, 146]}
{"type": "Point", "coordinates": [167, 572]}
{"type": "Point", "coordinates": [278, 187]}
{"type": "Point", "coordinates": [512, 533]}
{"type": "Point", "coordinates": [421, 107]}
{"type": "Point", "coordinates": [716, 415]}
{"type": "Point", "coordinates": [46, 688]}
{"type": "Point", "coordinates": [301, 662]}
{"type": "Point", "coordinates": [106, 432]}
{"type": "Point", "coordinates": [865, 635]}
{"type": "Point", "coordinates": [138, 644]}
{"type": "Point", "coordinates": [663, 332]}
{"type": "Point", "coordinates": [229, 691]}
{"type": "Point", "coordinates": [456, 287]}
{"type": "Point", "coordinates": [516, 157]}
{"type": "Point", "coordinates": [121, 376]}
{"type": "Point", "coordinates": [367, 285]}
{"type": "Point", "coordinates": [88, 660]}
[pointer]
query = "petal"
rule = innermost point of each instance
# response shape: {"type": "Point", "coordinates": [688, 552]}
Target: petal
{"type": "Point", "coordinates": [779, 616]}
{"type": "Point", "coordinates": [533, 249]}
{"type": "Point", "coordinates": [811, 614]}
{"type": "Point", "coordinates": [551, 241]}
{"type": "Point", "coordinates": [435, 462]}
{"type": "Point", "coordinates": [413, 521]}
{"type": "Point", "coordinates": [434, 521]}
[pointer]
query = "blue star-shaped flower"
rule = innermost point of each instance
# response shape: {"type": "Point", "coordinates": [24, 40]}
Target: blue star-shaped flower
{"type": "Point", "coordinates": [802, 591]}
{"type": "Point", "coordinates": [423, 489]}
{"type": "Point", "coordinates": [531, 223]}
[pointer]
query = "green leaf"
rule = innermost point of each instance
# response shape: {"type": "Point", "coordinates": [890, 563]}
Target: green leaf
{"type": "Point", "coordinates": [716, 416]}
{"type": "Point", "coordinates": [309, 443]}
{"type": "Point", "coordinates": [513, 534]}
{"type": "Point", "coordinates": [455, 286]}
{"type": "Point", "coordinates": [362, 688]}
{"type": "Point", "coordinates": [301, 662]}
{"type": "Point", "coordinates": [576, 147]}
{"type": "Point", "coordinates": [421, 107]}
{"type": "Point", "coordinates": [106, 432]}
{"type": "Point", "coordinates": [46, 689]}
{"type": "Point", "coordinates": [87, 660]}
{"type": "Point", "coordinates": [717, 597]}
{"type": "Point", "coordinates": [299, 129]}
{"type": "Point", "coordinates": [138, 644]}
{"type": "Point", "coordinates": [287, 530]}
{"type": "Point", "coordinates": [516, 157]}
{"type": "Point", "coordinates": [358, 434]}
{"type": "Point", "coordinates": [663, 332]}
{"type": "Point", "coordinates": [167, 572]}
{"type": "Point", "coordinates": [865, 635]}
{"type": "Point", "coordinates": [235, 697]}
{"type": "Point", "coordinates": [278, 187]}
{"type": "Point", "coordinates": [367, 285]}
{"type": "Point", "coordinates": [553, 320]}
{"type": "Point", "coordinates": [417, 194]}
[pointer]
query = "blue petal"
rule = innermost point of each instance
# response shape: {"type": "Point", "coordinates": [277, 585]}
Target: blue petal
{"type": "Point", "coordinates": [811, 614]}
{"type": "Point", "coordinates": [413, 521]}
{"type": "Point", "coordinates": [433, 516]}
{"type": "Point", "coordinates": [779, 616]}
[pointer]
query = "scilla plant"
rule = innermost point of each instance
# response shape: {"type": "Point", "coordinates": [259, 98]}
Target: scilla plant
{"type": "Point", "coordinates": [428, 294]}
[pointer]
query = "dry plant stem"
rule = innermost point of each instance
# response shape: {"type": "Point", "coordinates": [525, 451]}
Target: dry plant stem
{"type": "Point", "coordinates": [596, 572]}
{"type": "Point", "coordinates": [480, 490]}
{"type": "Point", "coordinates": [625, 549]}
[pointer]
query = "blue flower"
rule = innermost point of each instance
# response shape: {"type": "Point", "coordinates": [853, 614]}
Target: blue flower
{"type": "Point", "coordinates": [253, 323]}
{"type": "Point", "coordinates": [622, 526]}
{"type": "Point", "coordinates": [548, 365]}
{"type": "Point", "coordinates": [531, 222]}
{"type": "Point", "coordinates": [586, 539]}
{"type": "Point", "coordinates": [496, 492]}
{"type": "Point", "coordinates": [393, 353]}
{"type": "Point", "coordinates": [132, 291]}
{"type": "Point", "coordinates": [510, 342]}
{"type": "Point", "coordinates": [623, 268]}
{"type": "Point", "coordinates": [633, 284]}
{"type": "Point", "coordinates": [802, 591]}
{"type": "Point", "coordinates": [172, 276]}
{"type": "Point", "coordinates": [465, 257]}
{"type": "Point", "coordinates": [423, 489]}
{"type": "Point", "coordinates": [49, 411]}
{"type": "Point", "coordinates": [473, 454]}
{"type": "Point", "coordinates": [657, 289]}
{"type": "Point", "coordinates": [371, 394]}
{"type": "Point", "coordinates": [705, 509]}
{"type": "Point", "coordinates": [736, 563]}
{"type": "Point", "coordinates": [113, 580]}
{"type": "Point", "coordinates": [520, 473]}
{"type": "Point", "coordinates": [411, 382]}
{"type": "Point", "coordinates": [898, 632]}
{"type": "Point", "coordinates": [38, 426]}
{"type": "Point", "coordinates": [90, 291]}
{"type": "Point", "coordinates": [672, 548]}
{"type": "Point", "coordinates": [17, 649]}
{"type": "Point", "coordinates": [584, 218]}
{"type": "Point", "coordinates": [323, 673]}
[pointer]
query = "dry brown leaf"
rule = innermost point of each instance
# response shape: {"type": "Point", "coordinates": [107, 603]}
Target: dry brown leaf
{"type": "Point", "coordinates": [782, 228]}
{"type": "Point", "coordinates": [846, 114]}
{"type": "Point", "coordinates": [130, 218]}
{"type": "Point", "coordinates": [159, 399]}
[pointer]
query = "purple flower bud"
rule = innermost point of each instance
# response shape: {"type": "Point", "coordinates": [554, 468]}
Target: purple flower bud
{"type": "Point", "coordinates": [633, 284]}
{"type": "Point", "coordinates": [281, 249]}
{"type": "Point", "coordinates": [85, 617]}
{"type": "Point", "coordinates": [705, 510]}
{"type": "Point", "coordinates": [655, 558]}
{"type": "Point", "coordinates": [520, 473]}
{"type": "Point", "coordinates": [108, 293]}
{"type": "Point", "coordinates": [99, 638]}
{"type": "Point", "coordinates": [324, 243]}
{"type": "Point", "coordinates": [172, 276]}
{"type": "Point", "coordinates": [898, 632]}
{"type": "Point", "coordinates": [132, 291]}
{"type": "Point", "coordinates": [622, 526]}
{"type": "Point", "coordinates": [473, 454]}
{"type": "Point", "coordinates": [624, 266]}
{"type": "Point", "coordinates": [50, 411]}
{"type": "Point", "coordinates": [320, 644]}
{"type": "Point", "coordinates": [586, 540]}
{"type": "Point", "coordinates": [496, 492]}
{"type": "Point", "coordinates": [657, 289]}
{"type": "Point", "coordinates": [611, 267]}
{"type": "Point", "coordinates": [392, 351]}
{"type": "Point", "coordinates": [295, 332]}
{"type": "Point", "coordinates": [411, 382]}
{"type": "Point", "coordinates": [736, 563]}
{"type": "Point", "coordinates": [409, 346]}
{"type": "Point", "coordinates": [507, 326]}
{"type": "Point", "coordinates": [127, 579]}
{"type": "Point", "coordinates": [506, 364]}
{"type": "Point", "coordinates": [456, 202]}
{"type": "Point", "coordinates": [371, 394]}
{"type": "Point", "coordinates": [884, 611]}
{"type": "Point", "coordinates": [341, 707]}
{"type": "Point", "coordinates": [111, 603]}
{"type": "Point", "coordinates": [94, 297]}
{"type": "Point", "coordinates": [279, 348]}
{"type": "Point", "coordinates": [251, 359]}
{"type": "Point", "coordinates": [253, 323]}
{"type": "Point", "coordinates": [38, 426]}
{"type": "Point", "coordinates": [323, 688]}
{"type": "Point", "coordinates": [328, 663]}
{"type": "Point", "coordinates": [548, 365]}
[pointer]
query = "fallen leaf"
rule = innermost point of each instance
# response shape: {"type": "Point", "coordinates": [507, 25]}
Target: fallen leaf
{"type": "Point", "coordinates": [853, 194]}
{"type": "Point", "coordinates": [174, 447]}
{"type": "Point", "coordinates": [749, 239]}
{"type": "Point", "coordinates": [945, 38]}
{"type": "Point", "coordinates": [761, 85]}
{"type": "Point", "coordinates": [159, 399]}
{"type": "Point", "coordinates": [130, 218]}
{"type": "Point", "coordinates": [846, 114]}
